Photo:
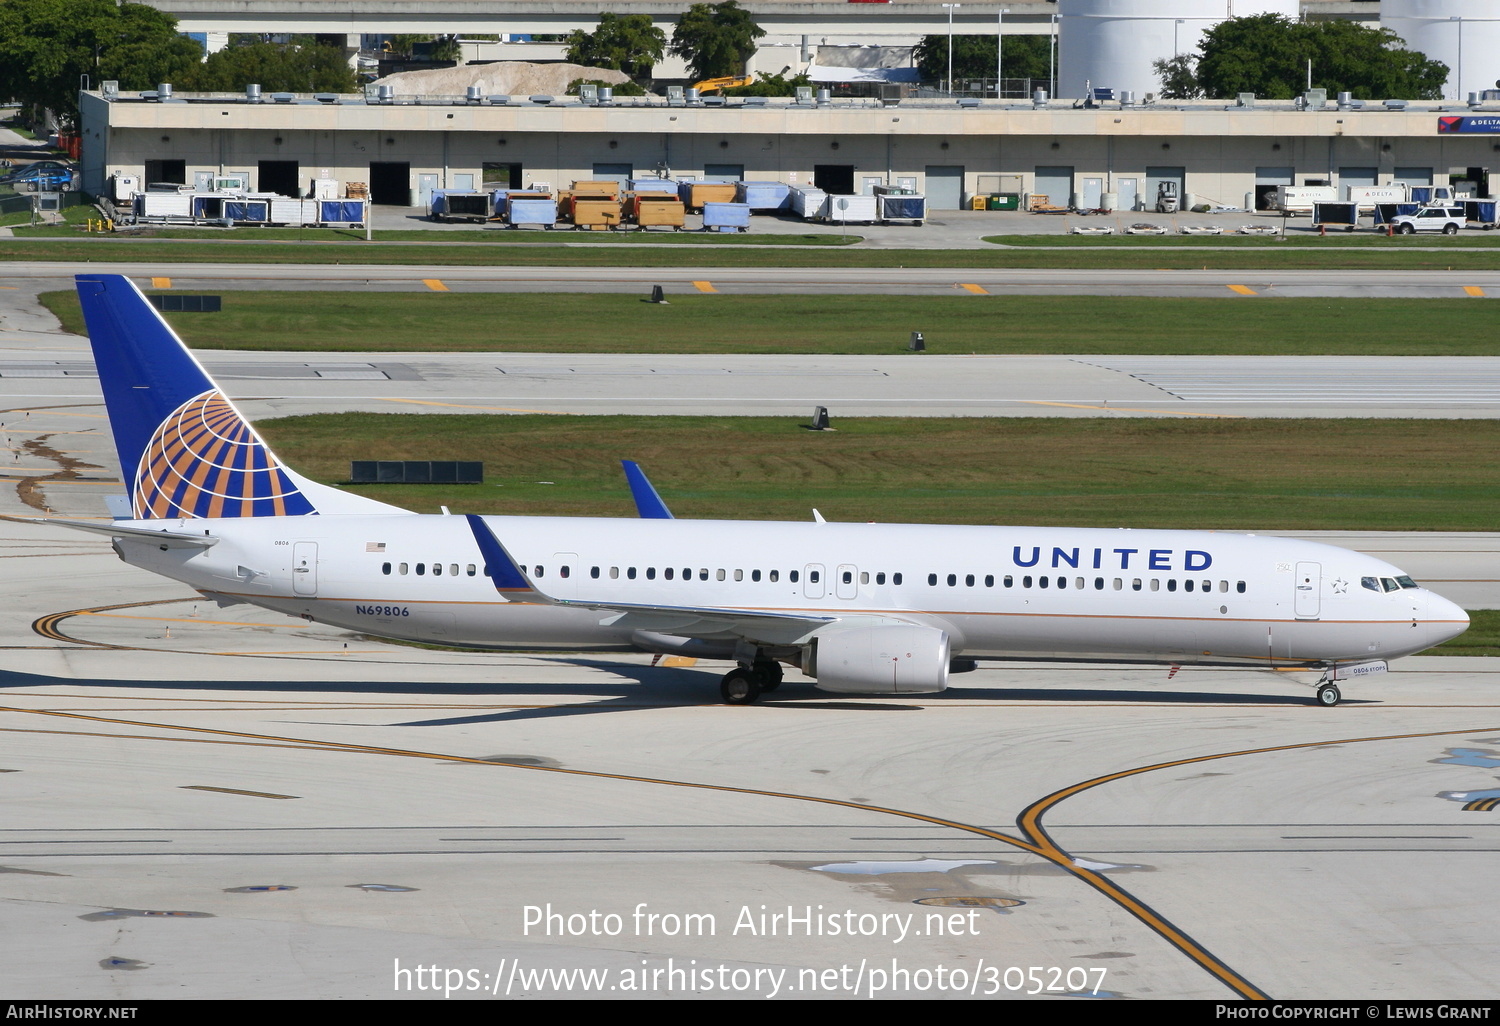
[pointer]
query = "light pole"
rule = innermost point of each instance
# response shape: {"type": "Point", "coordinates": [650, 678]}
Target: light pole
{"type": "Point", "coordinates": [1052, 71]}
{"type": "Point", "coordinates": [951, 8]}
{"type": "Point", "coordinates": [999, 48]}
{"type": "Point", "coordinates": [1458, 85]}
{"type": "Point", "coordinates": [1176, 50]}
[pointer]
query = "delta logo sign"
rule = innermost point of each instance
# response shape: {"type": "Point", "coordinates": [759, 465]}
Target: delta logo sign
{"type": "Point", "coordinates": [1456, 125]}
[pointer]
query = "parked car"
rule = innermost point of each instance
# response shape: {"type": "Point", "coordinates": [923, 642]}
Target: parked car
{"type": "Point", "coordinates": [43, 175]}
{"type": "Point", "coordinates": [1447, 220]}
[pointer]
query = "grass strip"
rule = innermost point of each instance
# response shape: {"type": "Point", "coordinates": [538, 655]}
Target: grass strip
{"type": "Point", "coordinates": [821, 324]}
{"type": "Point", "coordinates": [1246, 475]}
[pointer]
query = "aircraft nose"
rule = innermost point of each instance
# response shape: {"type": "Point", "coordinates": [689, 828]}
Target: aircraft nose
{"type": "Point", "coordinates": [1445, 620]}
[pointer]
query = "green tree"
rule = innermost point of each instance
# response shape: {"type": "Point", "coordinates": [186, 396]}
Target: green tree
{"type": "Point", "coordinates": [276, 67]}
{"type": "Point", "coordinates": [715, 39]}
{"type": "Point", "coordinates": [1179, 77]}
{"type": "Point", "coordinates": [771, 85]}
{"type": "Point", "coordinates": [1268, 55]}
{"type": "Point", "coordinates": [47, 46]}
{"type": "Point", "coordinates": [446, 48]}
{"type": "Point", "coordinates": [974, 57]}
{"type": "Point", "coordinates": [621, 42]}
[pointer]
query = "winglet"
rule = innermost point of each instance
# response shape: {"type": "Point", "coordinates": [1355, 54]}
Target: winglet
{"type": "Point", "coordinates": [647, 503]}
{"type": "Point", "coordinates": [503, 571]}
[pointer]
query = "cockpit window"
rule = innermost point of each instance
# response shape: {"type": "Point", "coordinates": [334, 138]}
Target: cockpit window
{"type": "Point", "coordinates": [1372, 583]}
{"type": "Point", "coordinates": [1390, 584]}
{"type": "Point", "coordinates": [1407, 582]}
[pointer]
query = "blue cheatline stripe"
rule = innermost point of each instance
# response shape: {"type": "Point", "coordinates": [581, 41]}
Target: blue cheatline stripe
{"type": "Point", "coordinates": [498, 565]}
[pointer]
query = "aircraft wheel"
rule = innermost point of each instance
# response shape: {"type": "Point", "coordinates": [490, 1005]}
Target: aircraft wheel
{"type": "Point", "coordinates": [1328, 695]}
{"type": "Point", "coordinates": [767, 675]}
{"type": "Point", "coordinates": [739, 687]}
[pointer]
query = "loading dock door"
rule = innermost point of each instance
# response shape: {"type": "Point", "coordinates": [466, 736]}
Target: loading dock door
{"type": "Point", "coordinates": [278, 176]}
{"type": "Point", "coordinates": [1056, 183]}
{"type": "Point", "coordinates": [945, 186]}
{"type": "Point", "coordinates": [390, 183]}
{"type": "Point", "coordinates": [1155, 176]}
{"type": "Point", "coordinates": [835, 178]}
{"type": "Point", "coordinates": [1267, 180]}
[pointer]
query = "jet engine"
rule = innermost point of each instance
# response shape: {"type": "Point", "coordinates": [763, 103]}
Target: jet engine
{"type": "Point", "coordinates": [899, 659]}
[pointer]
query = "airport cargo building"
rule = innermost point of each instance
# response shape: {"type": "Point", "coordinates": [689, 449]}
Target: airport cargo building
{"type": "Point", "coordinates": [1086, 153]}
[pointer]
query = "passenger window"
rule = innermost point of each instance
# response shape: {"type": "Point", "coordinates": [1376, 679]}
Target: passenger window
{"type": "Point", "coordinates": [1135, 585]}
{"type": "Point", "coordinates": [703, 573]}
{"type": "Point", "coordinates": [952, 580]}
{"type": "Point", "coordinates": [630, 573]}
{"type": "Point", "coordinates": [791, 575]}
{"type": "Point", "coordinates": [773, 576]}
{"type": "Point", "coordinates": [848, 577]}
{"type": "Point", "coordinates": [562, 571]}
{"type": "Point", "coordinates": [385, 568]}
{"type": "Point", "coordinates": [1172, 584]}
{"type": "Point", "coordinates": [1240, 587]}
{"type": "Point", "coordinates": [1080, 583]}
{"type": "Point", "coordinates": [880, 577]}
{"type": "Point", "coordinates": [614, 573]}
{"type": "Point", "coordinates": [650, 573]}
{"type": "Point", "coordinates": [1098, 584]}
{"type": "Point", "coordinates": [1009, 581]}
{"type": "Point", "coordinates": [1042, 582]}
{"type": "Point", "coordinates": [421, 569]}
{"type": "Point", "coordinates": [932, 580]}
{"type": "Point", "coordinates": [895, 578]}
{"type": "Point", "coordinates": [452, 569]}
{"type": "Point", "coordinates": [969, 581]}
{"type": "Point", "coordinates": [667, 573]}
{"type": "Point", "coordinates": [739, 575]}
{"type": "Point", "coordinates": [719, 574]}
{"type": "Point", "coordinates": [754, 575]}
{"type": "Point", "coordinates": [1156, 584]}
{"type": "Point", "coordinates": [1119, 584]}
{"type": "Point", "coordinates": [594, 572]}
{"type": "Point", "coordinates": [814, 576]}
{"type": "Point", "coordinates": [470, 570]}
{"type": "Point", "coordinates": [1187, 585]}
{"type": "Point", "coordinates": [403, 569]}
{"type": "Point", "coordinates": [437, 569]}
{"type": "Point", "coordinates": [1026, 581]}
{"type": "Point", "coordinates": [864, 577]}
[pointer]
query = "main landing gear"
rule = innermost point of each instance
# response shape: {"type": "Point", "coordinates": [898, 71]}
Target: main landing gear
{"type": "Point", "coordinates": [744, 684]}
{"type": "Point", "coordinates": [1328, 694]}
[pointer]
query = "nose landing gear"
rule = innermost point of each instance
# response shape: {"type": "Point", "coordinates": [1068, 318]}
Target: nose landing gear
{"type": "Point", "coordinates": [1328, 695]}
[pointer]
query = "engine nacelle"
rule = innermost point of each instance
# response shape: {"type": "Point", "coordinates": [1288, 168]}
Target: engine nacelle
{"type": "Point", "coordinates": [894, 660]}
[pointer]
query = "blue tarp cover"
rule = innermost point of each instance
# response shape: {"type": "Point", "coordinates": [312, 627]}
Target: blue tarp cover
{"type": "Point", "coordinates": [914, 207]}
{"type": "Point", "coordinates": [532, 211]}
{"type": "Point", "coordinates": [344, 210]}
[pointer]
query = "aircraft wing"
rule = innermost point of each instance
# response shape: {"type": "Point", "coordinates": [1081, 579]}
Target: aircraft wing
{"type": "Point", "coordinates": [708, 622]}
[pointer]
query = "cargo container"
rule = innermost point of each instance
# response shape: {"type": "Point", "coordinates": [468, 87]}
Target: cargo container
{"type": "Point", "coordinates": [763, 197]}
{"type": "Point", "coordinates": [293, 211]}
{"type": "Point", "coordinates": [1366, 196]}
{"type": "Point", "coordinates": [603, 187]}
{"type": "Point", "coordinates": [726, 217]}
{"type": "Point", "coordinates": [654, 210]}
{"type": "Point", "coordinates": [893, 204]}
{"type": "Point", "coordinates": [850, 210]}
{"type": "Point", "coordinates": [1481, 213]}
{"type": "Point", "coordinates": [695, 194]}
{"type": "Point", "coordinates": [164, 206]}
{"type": "Point", "coordinates": [340, 212]}
{"type": "Point", "coordinates": [251, 211]}
{"type": "Point", "coordinates": [808, 203]}
{"type": "Point", "coordinates": [1299, 199]}
{"type": "Point", "coordinates": [530, 209]}
{"type": "Point", "coordinates": [1336, 215]}
{"type": "Point", "coordinates": [595, 213]}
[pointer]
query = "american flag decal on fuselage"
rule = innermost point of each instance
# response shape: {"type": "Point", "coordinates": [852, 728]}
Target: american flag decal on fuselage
{"type": "Point", "coordinates": [205, 461]}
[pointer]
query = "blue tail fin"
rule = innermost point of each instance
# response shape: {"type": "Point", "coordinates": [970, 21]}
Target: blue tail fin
{"type": "Point", "coordinates": [185, 451]}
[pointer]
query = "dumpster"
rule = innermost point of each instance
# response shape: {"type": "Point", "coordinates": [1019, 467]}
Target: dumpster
{"type": "Point", "coordinates": [695, 194]}
{"type": "Point", "coordinates": [654, 210]}
{"type": "Point", "coordinates": [763, 197]}
{"type": "Point", "coordinates": [530, 210]}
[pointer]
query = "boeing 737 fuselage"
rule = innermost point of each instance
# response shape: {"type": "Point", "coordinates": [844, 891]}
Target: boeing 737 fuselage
{"type": "Point", "coordinates": [870, 608]}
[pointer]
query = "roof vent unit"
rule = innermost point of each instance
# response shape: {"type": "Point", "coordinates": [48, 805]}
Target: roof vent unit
{"type": "Point", "coordinates": [164, 92]}
{"type": "Point", "coordinates": [968, 102]}
{"type": "Point", "coordinates": [1127, 97]}
{"type": "Point", "coordinates": [1244, 100]}
{"type": "Point", "coordinates": [474, 94]}
{"type": "Point", "coordinates": [1474, 100]}
{"type": "Point", "coordinates": [282, 97]}
{"type": "Point", "coordinates": [110, 89]}
{"type": "Point", "coordinates": [252, 92]}
{"type": "Point", "coordinates": [499, 101]}
{"type": "Point", "coordinates": [385, 94]}
{"type": "Point", "coordinates": [1315, 99]}
{"type": "Point", "coordinates": [543, 100]}
{"type": "Point", "coordinates": [1039, 98]}
{"type": "Point", "coordinates": [606, 94]}
{"type": "Point", "coordinates": [1346, 100]}
{"type": "Point", "coordinates": [755, 101]}
{"type": "Point", "coordinates": [804, 95]}
{"type": "Point", "coordinates": [1395, 104]}
{"type": "Point", "coordinates": [825, 97]}
{"type": "Point", "coordinates": [674, 96]}
{"type": "Point", "coordinates": [326, 97]}
{"type": "Point", "coordinates": [690, 95]}
{"type": "Point", "coordinates": [588, 93]}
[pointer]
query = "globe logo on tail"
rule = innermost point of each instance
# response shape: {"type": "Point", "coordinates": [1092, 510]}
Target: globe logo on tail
{"type": "Point", "coordinates": [204, 461]}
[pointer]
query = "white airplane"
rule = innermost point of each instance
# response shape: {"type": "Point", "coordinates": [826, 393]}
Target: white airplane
{"type": "Point", "coordinates": [860, 608]}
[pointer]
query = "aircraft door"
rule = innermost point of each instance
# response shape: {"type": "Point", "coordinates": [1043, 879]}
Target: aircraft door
{"type": "Point", "coordinates": [846, 581]}
{"type": "Point", "coordinates": [1307, 603]}
{"type": "Point", "coordinates": [813, 585]}
{"type": "Point", "coordinates": [305, 568]}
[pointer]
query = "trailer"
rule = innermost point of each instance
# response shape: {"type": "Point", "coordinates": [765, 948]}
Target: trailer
{"type": "Point", "coordinates": [341, 212]}
{"type": "Point", "coordinates": [1336, 215]}
{"type": "Point", "coordinates": [763, 197]}
{"type": "Point", "coordinates": [1430, 195]}
{"type": "Point", "coordinates": [163, 206]}
{"type": "Point", "coordinates": [842, 209]}
{"type": "Point", "coordinates": [247, 211]}
{"type": "Point", "coordinates": [1481, 213]}
{"type": "Point", "coordinates": [726, 217]}
{"type": "Point", "coordinates": [1299, 199]}
{"type": "Point", "coordinates": [894, 204]}
{"type": "Point", "coordinates": [455, 205]}
{"type": "Point", "coordinates": [1367, 196]}
{"type": "Point", "coordinates": [299, 212]}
